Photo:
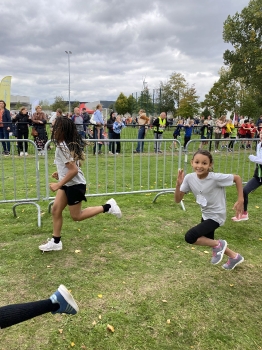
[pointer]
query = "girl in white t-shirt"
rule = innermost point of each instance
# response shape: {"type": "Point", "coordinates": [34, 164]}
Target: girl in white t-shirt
{"type": "Point", "coordinates": [71, 186]}
{"type": "Point", "coordinates": [208, 188]}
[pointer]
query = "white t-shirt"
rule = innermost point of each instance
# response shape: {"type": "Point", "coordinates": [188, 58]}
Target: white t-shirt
{"type": "Point", "coordinates": [63, 156]}
{"type": "Point", "coordinates": [210, 194]}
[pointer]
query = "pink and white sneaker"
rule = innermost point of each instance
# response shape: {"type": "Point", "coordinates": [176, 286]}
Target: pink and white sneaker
{"type": "Point", "coordinates": [243, 217]}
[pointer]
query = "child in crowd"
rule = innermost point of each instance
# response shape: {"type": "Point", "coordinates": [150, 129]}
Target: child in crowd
{"type": "Point", "coordinates": [233, 136]}
{"type": "Point", "coordinates": [255, 182]}
{"type": "Point", "coordinates": [117, 128]}
{"type": "Point", "coordinates": [176, 133]}
{"type": "Point", "coordinates": [71, 186]}
{"type": "Point", "coordinates": [208, 188]}
{"type": "Point", "coordinates": [253, 130]}
{"type": "Point", "coordinates": [59, 302]}
{"type": "Point", "coordinates": [188, 132]}
{"type": "Point", "coordinates": [204, 133]}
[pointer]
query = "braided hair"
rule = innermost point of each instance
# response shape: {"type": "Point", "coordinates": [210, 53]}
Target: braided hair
{"type": "Point", "coordinates": [64, 130]}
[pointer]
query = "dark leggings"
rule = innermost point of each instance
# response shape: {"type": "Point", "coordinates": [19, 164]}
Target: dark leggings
{"type": "Point", "coordinates": [251, 185]}
{"type": "Point", "coordinates": [22, 134]}
{"type": "Point", "coordinates": [206, 228]}
{"type": "Point", "coordinates": [16, 313]}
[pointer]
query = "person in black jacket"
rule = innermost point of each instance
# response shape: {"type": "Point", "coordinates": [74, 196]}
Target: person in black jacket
{"type": "Point", "coordinates": [5, 126]}
{"type": "Point", "coordinates": [23, 120]}
{"type": "Point", "coordinates": [86, 119]}
{"type": "Point", "coordinates": [109, 125]}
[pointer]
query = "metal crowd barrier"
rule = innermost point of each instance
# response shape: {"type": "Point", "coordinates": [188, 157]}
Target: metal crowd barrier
{"type": "Point", "coordinates": [25, 179]}
{"type": "Point", "coordinates": [20, 180]}
{"type": "Point", "coordinates": [127, 172]}
{"type": "Point", "coordinates": [226, 159]}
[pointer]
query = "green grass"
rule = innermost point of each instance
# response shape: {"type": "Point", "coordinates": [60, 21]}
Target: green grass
{"type": "Point", "coordinates": [143, 269]}
{"type": "Point", "coordinates": [146, 274]}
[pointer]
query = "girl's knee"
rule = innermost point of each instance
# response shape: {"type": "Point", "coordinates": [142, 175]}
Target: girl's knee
{"type": "Point", "coordinates": [190, 236]}
{"type": "Point", "coordinates": [75, 217]}
{"type": "Point", "coordinates": [55, 210]}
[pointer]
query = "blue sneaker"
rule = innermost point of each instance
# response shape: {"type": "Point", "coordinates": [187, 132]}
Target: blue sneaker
{"type": "Point", "coordinates": [66, 301]}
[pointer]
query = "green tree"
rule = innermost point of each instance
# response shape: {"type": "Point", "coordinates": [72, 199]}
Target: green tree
{"type": "Point", "coordinates": [166, 100]}
{"type": "Point", "coordinates": [224, 95]}
{"type": "Point", "coordinates": [45, 105]}
{"type": "Point", "coordinates": [59, 103]}
{"type": "Point", "coordinates": [145, 102]}
{"type": "Point", "coordinates": [189, 105]}
{"type": "Point", "coordinates": [132, 105]}
{"type": "Point", "coordinates": [18, 105]}
{"type": "Point", "coordinates": [205, 112]}
{"type": "Point", "coordinates": [243, 31]}
{"type": "Point", "coordinates": [249, 106]}
{"type": "Point", "coordinates": [121, 104]}
{"type": "Point", "coordinates": [172, 92]}
{"type": "Point", "coordinates": [75, 104]}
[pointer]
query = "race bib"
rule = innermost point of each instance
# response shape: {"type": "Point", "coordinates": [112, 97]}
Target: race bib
{"type": "Point", "coordinates": [201, 200]}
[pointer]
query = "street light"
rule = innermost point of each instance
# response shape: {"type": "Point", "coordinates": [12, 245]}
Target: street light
{"type": "Point", "coordinates": [68, 55]}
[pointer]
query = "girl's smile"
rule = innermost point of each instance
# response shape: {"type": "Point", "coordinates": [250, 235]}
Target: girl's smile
{"type": "Point", "coordinates": [201, 165]}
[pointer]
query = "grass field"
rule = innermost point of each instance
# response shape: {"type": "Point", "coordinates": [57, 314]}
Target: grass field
{"type": "Point", "coordinates": [136, 274]}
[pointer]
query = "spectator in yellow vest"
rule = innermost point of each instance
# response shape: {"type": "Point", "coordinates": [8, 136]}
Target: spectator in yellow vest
{"type": "Point", "coordinates": [159, 126]}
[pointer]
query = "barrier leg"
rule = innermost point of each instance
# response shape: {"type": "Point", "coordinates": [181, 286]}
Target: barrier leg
{"type": "Point", "coordinates": [33, 203]}
{"type": "Point", "coordinates": [163, 192]}
{"type": "Point", "coordinates": [49, 206]}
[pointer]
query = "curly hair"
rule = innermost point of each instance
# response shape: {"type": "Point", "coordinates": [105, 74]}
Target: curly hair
{"type": "Point", "coordinates": [64, 130]}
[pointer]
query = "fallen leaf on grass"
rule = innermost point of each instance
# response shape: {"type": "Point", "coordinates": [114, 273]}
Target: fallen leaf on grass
{"type": "Point", "coordinates": [77, 251]}
{"type": "Point", "coordinates": [168, 321]}
{"type": "Point", "coordinates": [260, 239]}
{"type": "Point", "coordinates": [206, 252]}
{"type": "Point", "coordinates": [164, 301]}
{"type": "Point", "coordinates": [72, 344]}
{"type": "Point", "coordinates": [110, 328]}
{"type": "Point", "coordinates": [60, 331]}
{"type": "Point", "coordinates": [179, 262]}
{"type": "Point", "coordinates": [100, 317]}
{"type": "Point", "coordinates": [257, 207]}
{"type": "Point", "coordinates": [100, 295]}
{"type": "Point", "coordinates": [193, 248]}
{"type": "Point", "coordinates": [231, 285]}
{"type": "Point", "coordinates": [48, 266]}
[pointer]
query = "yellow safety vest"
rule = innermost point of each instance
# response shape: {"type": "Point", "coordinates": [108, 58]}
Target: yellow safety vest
{"type": "Point", "coordinates": [162, 125]}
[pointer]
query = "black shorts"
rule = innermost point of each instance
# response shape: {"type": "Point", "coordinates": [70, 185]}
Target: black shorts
{"type": "Point", "coordinates": [75, 194]}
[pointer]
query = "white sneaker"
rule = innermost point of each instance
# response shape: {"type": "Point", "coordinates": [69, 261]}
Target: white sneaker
{"type": "Point", "coordinates": [115, 210]}
{"type": "Point", "coordinates": [26, 154]}
{"type": "Point", "coordinates": [21, 154]}
{"type": "Point", "coordinates": [51, 245]}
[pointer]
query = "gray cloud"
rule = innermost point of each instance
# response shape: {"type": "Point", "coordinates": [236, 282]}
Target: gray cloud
{"type": "Point", "coordinates": [115, 44]}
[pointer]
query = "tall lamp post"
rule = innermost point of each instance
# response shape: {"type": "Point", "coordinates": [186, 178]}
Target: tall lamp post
{"type": "Point", "coordinates": [68, 56]}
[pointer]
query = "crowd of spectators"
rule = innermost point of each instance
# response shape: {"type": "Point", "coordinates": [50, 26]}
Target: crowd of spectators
{"type": "Point", "coordinates": [97, 126]}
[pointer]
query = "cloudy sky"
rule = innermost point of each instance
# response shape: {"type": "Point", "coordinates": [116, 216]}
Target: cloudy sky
{"type": "Point", "coordinates": [115, 45]}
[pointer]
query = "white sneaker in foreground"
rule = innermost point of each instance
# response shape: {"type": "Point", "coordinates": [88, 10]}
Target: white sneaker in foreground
{"type": "Point", "coordinates": [115, 210]}
{"type": "Point", "coordinates": [51, 245]}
